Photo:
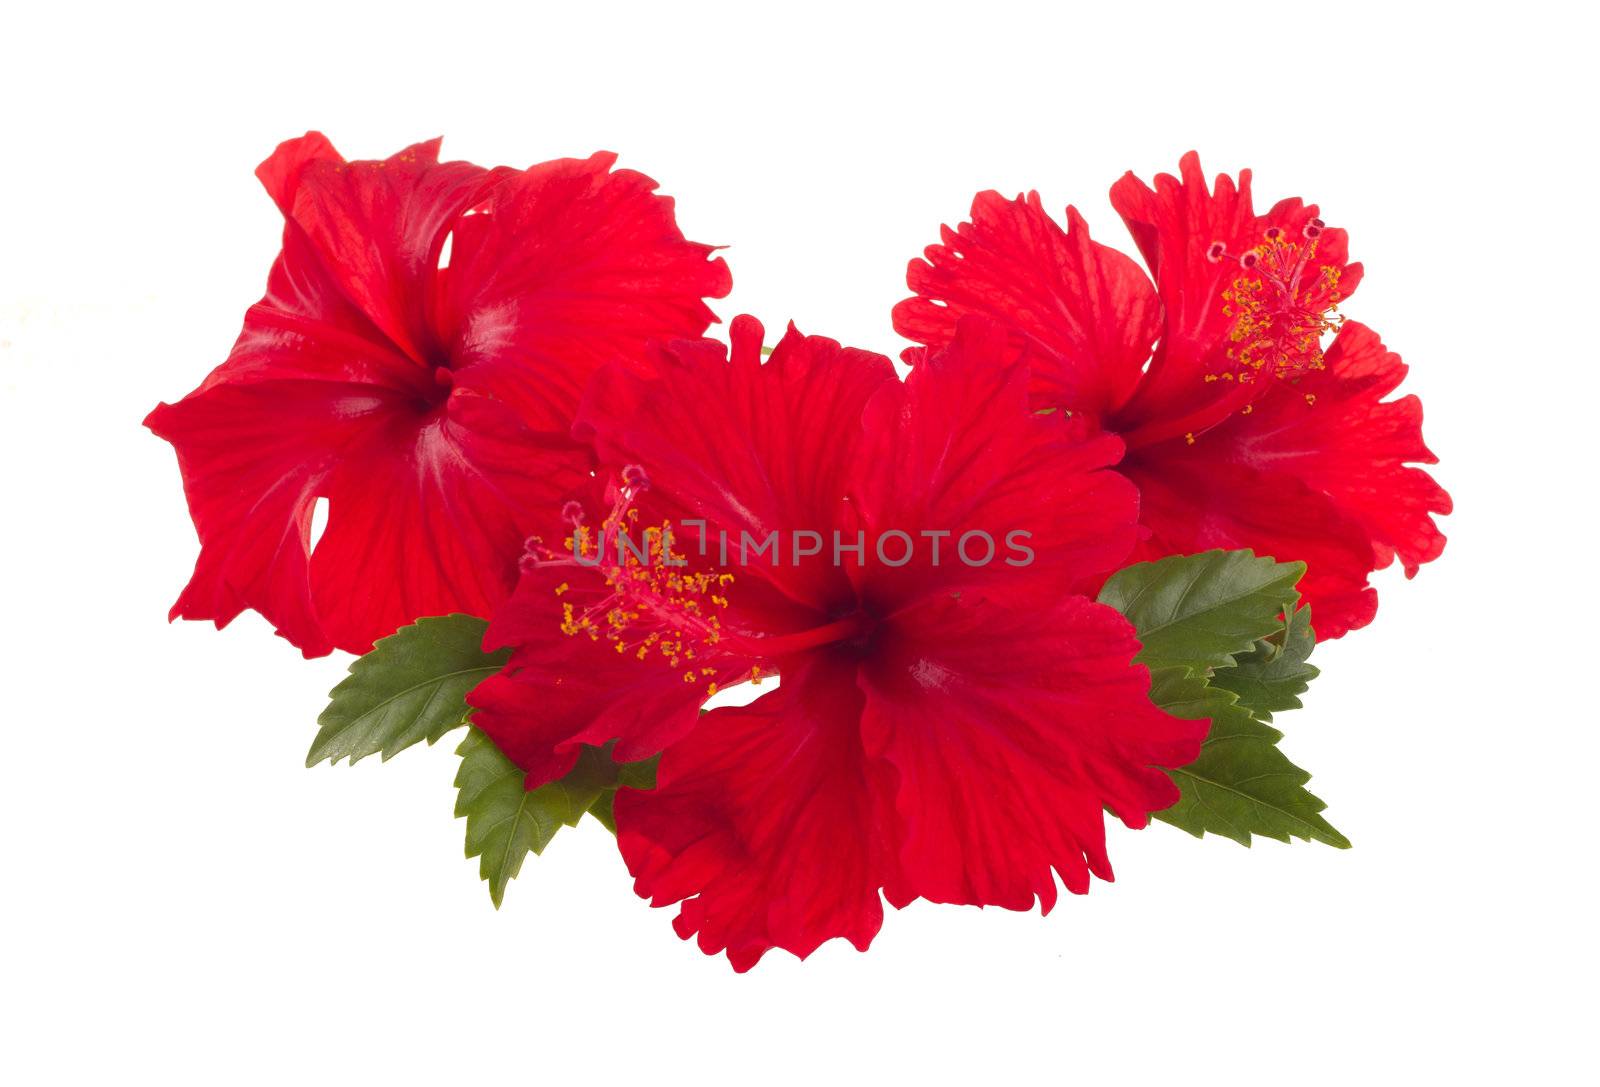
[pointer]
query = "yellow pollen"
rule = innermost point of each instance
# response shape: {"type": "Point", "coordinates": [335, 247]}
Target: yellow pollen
{"type": "Point", "coordinates": [1189, 438]}
{"type": "Point", "coordinates": [649, 601]}
{"type": "Point", "coordinates": [1282, 306]}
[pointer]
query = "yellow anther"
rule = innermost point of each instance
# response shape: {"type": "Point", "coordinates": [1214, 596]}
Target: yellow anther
{"type": "Point", "coordinates": [1280, 316]}
{"type": "Point", "coordinates": [650, 602]}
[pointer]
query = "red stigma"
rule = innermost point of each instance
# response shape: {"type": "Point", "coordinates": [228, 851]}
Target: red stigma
{"type": "Point", "coordinates": [1282, 306]}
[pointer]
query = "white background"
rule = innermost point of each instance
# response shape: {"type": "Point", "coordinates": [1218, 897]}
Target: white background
{"type": "Point", "coordinates": [185, 903]}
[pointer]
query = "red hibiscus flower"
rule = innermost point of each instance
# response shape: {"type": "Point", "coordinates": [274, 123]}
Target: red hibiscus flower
{"type": "Point", "coordinates": [1240, 430]}
{"type": "Point", "coordinates": [416, 361]}
{"type": "Point", "coordinates": [952, 722]}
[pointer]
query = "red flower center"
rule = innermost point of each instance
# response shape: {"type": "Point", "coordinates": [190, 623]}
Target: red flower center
{"type": "Point", "coordinates": [1282, 304]}
{"type": "Point", "coordinates": [650, 603]}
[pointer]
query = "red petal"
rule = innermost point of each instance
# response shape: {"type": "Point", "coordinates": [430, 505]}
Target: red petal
{"type": "Point", "coordinates": [741, 445]}
{"type": "Point", "coordinates": [1316, 471]}
{"type": "Point", "coordinates": [560, 691]}
{"type": "Point", "coordinates": [426, 513]}
{"type": "Point", "coordinates": [1011, 731]}
{"type": "Point", "coordinates": [377, 227]}
{"type": "Point", "coordinates": [253, 458]}
{"type": "Point", "coordinates": [1089, 310]}
{"type": "Point", "coordinates": [430, 493]}
{"type": "Point", "coordinates": [958, 449]}
{"type": "Point", "coordinates": [304, 329]}
{"type": "Point", "coordinates": [1352, 445]}
{"type": "Point", "coordinates": [748, 447]}
{"type": "Point", "coordinates": [564, 267]}
{"type": "Point", "coordinates": [1194, 498]}
{"type": "Point", "coordinates": [430, 518]}
{"type": "Point", "coordinates": [280, 173]}
{"type": "Point", "coordinates": [1175, 224]}
{"type": "Point", "coordinates": [764, 824]}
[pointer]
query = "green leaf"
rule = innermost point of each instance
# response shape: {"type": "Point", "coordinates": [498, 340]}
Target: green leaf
{"type": "Point", "coordinates": [1271, 677]}
{"type": "Point", "coordinates": [1241, 784]}
{"type": "Point", "coordinates": [1218, 648]}
{"type": "Point", "coordinates": [638, 775]}
{"type": "Point", "coordinates": [506, 821]}
{"type": "Point", "coordinates": [1202, 611]}
{"type": "Point", "coordinates": [630, 775]}
{"type": "Point", "coordinates": [410, 687]}
{"type": "Point", "coordinates": [603, 810]}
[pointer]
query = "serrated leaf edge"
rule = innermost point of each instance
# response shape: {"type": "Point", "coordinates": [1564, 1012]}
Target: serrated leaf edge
{"type": "Point", "coordinates": [1210, 560]}
{"type": "Point", "coordinates": [386, 752]}
{"type": "Point", "coordinates": [1326, 833]}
